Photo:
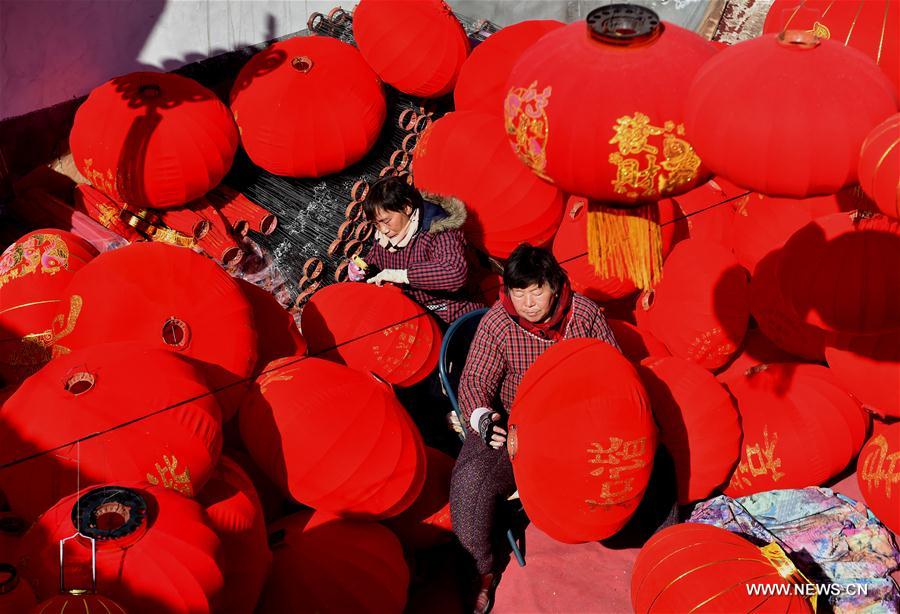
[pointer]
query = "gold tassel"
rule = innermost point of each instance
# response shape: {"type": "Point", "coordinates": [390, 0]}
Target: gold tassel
{"type": "Point", "coordinates": [626, 243]}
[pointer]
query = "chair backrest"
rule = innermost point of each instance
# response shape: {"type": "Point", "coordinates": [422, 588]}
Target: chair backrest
{"type": "Point", "coordinates": [454, 350]}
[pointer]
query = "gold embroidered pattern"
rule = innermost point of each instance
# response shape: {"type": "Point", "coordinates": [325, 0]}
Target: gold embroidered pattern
{"type": "Point", "coordinates": [401, 338]}
{"type": "Point", "coordinates": [170, 478]}
{"type": "Point", "coordinates": [638, 174]}
{"type": "Point", "coordinates": [758, 460]}
{"type": "Point", "coordinates": [879, 465]}
{"type": "Point", "coordinates": [48, 253]}
{"type": "Point", "coordinates": [106, 183]}
{"type": "Point", "coordinates": [820, 30]}
{"type": "Point", "coordinates": [271, 377]}
{"type": "Point", "coordinates": [619, 457]}
{"type": "Point", "coordinates": [525, 117]}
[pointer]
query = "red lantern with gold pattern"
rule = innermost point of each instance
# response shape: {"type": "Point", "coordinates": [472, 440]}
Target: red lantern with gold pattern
{"type": "Point", "coordinates": [77, 601]}
{"type": "Point", "coordinates": [153, 139]}
{"type": "Point", "coordinates": [819, 96]}
{"type": "Point", "coordinates": [426, 522]}
{"type": "Point", "coordinates": [423, 58]}
{"type": "Point", "coordinates": [155, 553]}
{"type": "Point", "coordinates": [170, 297]}
{"type": "Point", "coordinates": [333, 438]}
{"type": "Point", "coordinates": [581, 446]}
{"type": "Point", "coordinates": [135, 430]}
{"type": "Point", "coordinates": [329, 113]}
{"type": "Point", "coordinates": [372, 329]}
{"type": "Point", "coordinates": [879, 166]}
{"type": "Point", "coordinates": [876, 473]}
{"type": "Point", "coordinates": [465, 154]}
{"type": "Point", "coordinates": [868, 367]}
{"type": "Point", "coordinates": [698, 424]}
{"type": "Point", "coordinates": [688, 567]}
{"type": "Point", "coordinates": [323, 563]}
{"type": "Point", "coordinates": [34, 273]}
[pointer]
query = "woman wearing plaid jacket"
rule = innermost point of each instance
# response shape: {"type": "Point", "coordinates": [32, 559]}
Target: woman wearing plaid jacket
{"type": "Point", "coordinates": [536, 309]}
{"type": "Point", "coordinates": [419, 245]}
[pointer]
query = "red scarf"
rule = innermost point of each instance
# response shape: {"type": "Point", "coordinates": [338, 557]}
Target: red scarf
{"type": "Point", "coordinates": [555, 327]}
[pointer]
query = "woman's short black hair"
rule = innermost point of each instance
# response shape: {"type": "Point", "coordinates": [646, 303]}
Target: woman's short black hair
{"type": "Point", "coordinates": [390, 194]}
{"type": "Point", "coordinates": [529, 265]}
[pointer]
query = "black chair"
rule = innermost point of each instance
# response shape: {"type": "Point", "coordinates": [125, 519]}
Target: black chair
{"type": "Point", "coordinates": [454, 351]}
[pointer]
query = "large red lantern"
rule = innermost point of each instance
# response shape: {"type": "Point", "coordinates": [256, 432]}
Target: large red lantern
{"type": "Point", "coordinates": [819, 96]}
{"type": "Point", "coordinates": [689, 567]}
{"type": "Point", "coordinates": [870, 27]}
{"type": "Point", "coordinates": [135, 430]}
{"type": "Point", "coordinates": [373, 329]}
{"type": "Point", "coordinates": [839, 273]}
{"type": "Point", "coordinates": [78, 601]}
{"type": "Point", "coordinates": [327, 564]}
{"type": "Point", "coordinates": [153, 139]}
{"type": "Point", "coordinates": [330, 106]}
{"type": "Point", "coordinates": [708, 209]}
{"type": "Point", "coordinates": [232, 509]}
{"type": "Point", "coordinates": [799, 428]}
{"type": "Point", "coordinates": [700, 310]}
{"type": "Point", "coordinates": [333, 438]}
{"type": "Point", "coordinates": [423, 58]}
{"type": "Point", "coordinates": [879, 166]}
{"type": "Point", "coordinates": [276, 331]}
{"type": "Point", "coordinates": [636, 344]}
{"type": "Point", "coordinates": [698, 424]}
{"type": "Point", "coordinates": [34, 273]}
{"type": "Point", "coordinates": [464, 154]}
{"type": "Point", "coordinates": [426, 522]}
{"type": "Point", "coordinates": [868, 367]}
{"type": "Point", "coordinates": [481, 82]}
{"type": "Point", "coordinates": [876, 473]}
{"type": "Point", "coordinates": [168, 296]}
{"type": "Point", "coordinates": [154, 551]}
{"type": "Point", "coordinates": [757, 349]}
{"type": "Point", "coordinates": [581, 446]}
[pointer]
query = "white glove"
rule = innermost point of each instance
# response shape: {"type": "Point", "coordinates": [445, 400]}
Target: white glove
{"type": "Point", "coordinates": [392, 276]}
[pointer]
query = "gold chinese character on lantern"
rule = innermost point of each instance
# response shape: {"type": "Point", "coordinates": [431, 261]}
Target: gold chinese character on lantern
{"type": "Point", "coordinates": [879, 466]}
{"type": "Point", "coordinates": [526, 119]}
{"type": "Point", "coordinates": [759, 460]}
{"type": "Point", "coordinates": [615, 460]}
{"type": "Point", "coordinates": [170, 478]}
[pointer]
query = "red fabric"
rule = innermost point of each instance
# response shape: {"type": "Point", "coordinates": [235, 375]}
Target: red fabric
{"type": "Point", "coordinates": [481, 82]}
{"type": "Point", "coordinates": [232, 509]}
{"type": "Point", "coordinates": [571, 116]}
{"type": "Point", "coordinates": [636, 344]}
{"type": "Point", "coordinates": [757, 349]}
{"type": "Point", "coordinates": [868, 367]}
{"type": "Point", "coordinates": [426, 523]}
{"type": "Point", "coordinates": [153, 139]}
{"type": "Point", "coordinates": [871, 27]}
{"type": "Point", "coordinates": [555, 327]}
{"type": "Point", "coordinates": [131, 293]}
{"type": "Point", "coordinates": [700, 309]}
{"type": "Point", "coordinates": [708, 209]}
{"type": "Point", "coordinates": [800, 428]}
{"type": "Point", "coordinates": [16, 595]}
{"type": "Point", "coordinates": [313, 123]}
{"type": "Point", "coordinates": [103, 210]}
{"type": "Point", "coordinates": [76, 603]}
{"type": "Point", "coordinates": [333, 438]}
{"type": "Point", "coordinates": [34, 273]}
{"type": "Point", "coordinates": [839, 273]}
{"type": "Point", "coordinates": [423, 58]}
{"type": "Point", "coordinates": [876, 474]}
{"type": "Point", "coordinates": [276, 332]}
{"type": "Point", "coordinates": [170, 563]}
{"type": "Point", "coordinates": [698, 424]}
{"type": "Point", "coordinates": [12, 528]}
{"type": "Point", "coordinates": [582, 441]}
{"type": "Point", "coordinates": [879, 165]}
{"type": "Point", "coordinates": [465, 154]}
{"type": "Point", "coordinates": [372, 329]}
{"type": "Point", "coordinates": [327, 564]}
{"type": "Point", "coordinates": [830, 91]}
{"type": "Point", "coordinates": [693, 566]}
{"type": "Point", "coordinates": [177, 448]}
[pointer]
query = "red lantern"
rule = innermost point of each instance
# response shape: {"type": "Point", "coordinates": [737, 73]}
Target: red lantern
{"type": "Point", "coordinates": [34, 273]}
{"type": "Point", "coordinates": [276, 332]}
{"type": "Point", "coordinates": [481, 82]}
{"type": "Point", "coordinates": [170, 297]}
{"type": "Point", "coordinates": [799, 428]}
{"type": "Point", "coordinates": [708, 209]}
{"type": "Point", "coordinates": [691, 566]}
{"type": "Point", "coordinates": [233, 510]}
{"type": "Point", "coordinates": [636, 344]}
{"type": "Point", "coordinates": [165, 434]}
{"type": "Point", "coordinates": [426, 522]}
{"type": "Point", "coordinates": [868, 367]}
{"type": "Point", "coordinates": [423, 58]}
{"type": "Point", "coordinates": [154, 551]}
{"type": "Point", "coordinates": [569, 122]}
{"type": "Point", "coordinates": [879, 165]}
{"type": "Point", "coordinates": [757, 349]}
{"type": "Point", "coordinates": [333, 438]}
{"type": "Point", "coordinates": [153, 139]}
{"type": "Point", "coordinates": [76, 602]}
{"type": "Point", "coordinates": [373, 329]}
{"type": "Point", "coordinates": [698, 424]}
{"type": "Point", "coordinates": [876, 474]}
{"type": "Point", "coordinates": [464, 154]}
{"type": "Point", "coordinates": [817, 95]}
{"type": "Point", "coordinates": [329, 107]}
{"type": "Point", "coordinates": [870, 27]}
{"type": "Point", "coordinates": [581, 446]}
{"type": "Point", "coordinates": [327, 564]}
{"type": "Point", "coordinates": [839, 273]}
{"type": "Point", "coordinates": [15, 594]}
{"type": "Point", "coordinates": [700, 309]}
